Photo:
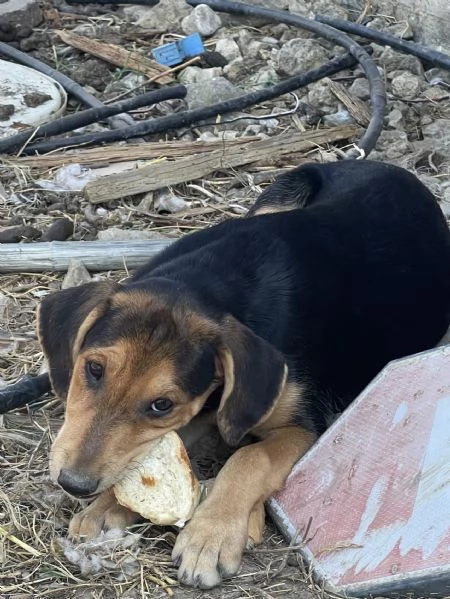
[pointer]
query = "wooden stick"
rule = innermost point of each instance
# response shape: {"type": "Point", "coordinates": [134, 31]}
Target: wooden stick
{"type": "Point", "coordinates": [95, 255]}
{"type": "Point", "coordinates": [356, 107]}
{"type": "Point", "coordinates": [196, 166]}
{"type": "Point", "coordinates": [129, 152]}
{"type": "Point", "coordinates": [118, 56]}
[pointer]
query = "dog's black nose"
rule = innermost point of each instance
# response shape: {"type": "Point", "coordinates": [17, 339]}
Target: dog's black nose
{"type": "Point", "coordinates": [77, 483]}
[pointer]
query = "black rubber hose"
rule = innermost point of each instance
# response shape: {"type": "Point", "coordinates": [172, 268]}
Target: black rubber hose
{"type": "Point", "coordinates": [433, 57]}
{"type": "Point", "coordinates": [188, 118]}
{"type": "Point", "coordinates": [91, 115]}
{"type": "Point", "coordinates": [27, 390]}
{"type": "Point", "coordinates": [376, 83]}
{"type": "Point", "coordinates": [68, 84]}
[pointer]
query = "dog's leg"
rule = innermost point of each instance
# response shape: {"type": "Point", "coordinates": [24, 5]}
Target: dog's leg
{"type": "Point", "coordinates": [104, 513]}
{"type": "Point", "coordinates": [256, 524]}
{"type": "Point", "coordinates": [210, 547]}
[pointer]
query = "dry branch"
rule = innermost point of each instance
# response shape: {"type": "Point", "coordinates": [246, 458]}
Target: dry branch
{"type": "Point", "coordinates": [95, 255]}
{"type": "Point", "coordinates": [196, 166]}
{"type": "Point", "coordinates": [118, 56]}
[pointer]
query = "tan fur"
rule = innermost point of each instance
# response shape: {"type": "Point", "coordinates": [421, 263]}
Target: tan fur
{"type": "Point", "coordinates": [268, 209]}
{"type": "Point", "coordinates": [101, 433]}
{"type": "Point", "coordinates": [283, 411]}
{"type": "Point", "coordinates": [102, 514]}
{"type": "Point", "coordinates": [221, 524]}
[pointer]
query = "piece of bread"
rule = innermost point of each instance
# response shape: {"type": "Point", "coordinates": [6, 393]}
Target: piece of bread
{"type": "Point", "coordinates": [163, 489]}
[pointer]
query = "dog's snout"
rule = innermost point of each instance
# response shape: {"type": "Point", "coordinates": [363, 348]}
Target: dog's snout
{"type": "Point", "coordinates": [77, 483]}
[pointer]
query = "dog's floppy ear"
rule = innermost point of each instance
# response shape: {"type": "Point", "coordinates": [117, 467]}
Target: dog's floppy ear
{"type": "Point", "coordinates": [295, 189]}
{"type": "Point", "coordinates": [254, 373]}
{"type": "Point", "coordinates": [63, 319]}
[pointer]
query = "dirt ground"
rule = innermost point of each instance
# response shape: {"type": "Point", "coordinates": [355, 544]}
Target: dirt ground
{"type": "Point", "coordinates": [36, 559]}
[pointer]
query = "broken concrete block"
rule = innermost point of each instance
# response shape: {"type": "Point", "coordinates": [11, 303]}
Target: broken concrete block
{"type": "Point", "coordinates": [20, 13]}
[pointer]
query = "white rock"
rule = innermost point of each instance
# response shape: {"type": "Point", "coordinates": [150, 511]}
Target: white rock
{"type": "Point", "coordinates": [406, 86]}
{"type": "Point", "coordinates": [76, 275]}
{"type": "Point", "coordinates": [228, 48]}
{"type": "Point", "coordinates": [202, 20]}
{"type": "Point", "coordinates": [164, 16]}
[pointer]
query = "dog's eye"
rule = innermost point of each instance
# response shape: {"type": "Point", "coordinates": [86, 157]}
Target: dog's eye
{"type": "Point", "coordinates": [160, 407]}
{"type": "Point", "coordinates": [94, 370]}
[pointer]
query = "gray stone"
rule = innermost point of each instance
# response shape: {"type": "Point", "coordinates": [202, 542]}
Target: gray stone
{"type": "Point", "coordinates": [439, 129]}
{"type": "Point", "coordinates": [194, 74]}
{"type": "Point", "coordinates": [320, 96]}
{"type": "Point", "coordinates": [20, 13]}
{"type": "Point", "coordinates": [330, 8]}
{"type": "Point", "coordinates": [169, 202]}
{"type": "Point", "coordinates": [392, 60]}
{"type": "Point", "coordinates": [391, 145]}
{"type": "Point", "coordinates": [395, 118]}
{"type": "Point", "coordinates": [202, 20]}
{"type": "Point", "coordinates": [265, 77]}
{"type": "Point", "coordinates": [342, 117]}
{"type": "Point", "coordinates": [299, 55]}
{"type": "Point", "coordinates": [406, 86]}
{"type": "Point", "coordinates": [210, 92]}
{"type": "Point", "coordinates": [76, 275]}
{"type": "Point", "coordinates": [228, 48]}
{"type": "Point", "coordinates": [253, 49]}
{"type": "Point", "coordinates": [299, 7]}
{"type": "Point", "coordinates": [360, 88]}
{"type": "Point", "coordinates": [164, 16]}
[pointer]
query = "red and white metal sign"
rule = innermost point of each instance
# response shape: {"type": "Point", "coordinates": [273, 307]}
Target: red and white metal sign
{"type": "Point", "coordinates": [376, 486]}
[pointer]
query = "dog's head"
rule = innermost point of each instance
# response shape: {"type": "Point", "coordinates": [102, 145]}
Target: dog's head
{"type": "Point", "coordinates": [134, 363]}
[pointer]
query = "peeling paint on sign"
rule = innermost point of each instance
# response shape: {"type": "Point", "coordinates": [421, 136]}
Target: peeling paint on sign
{"type": "Point", "coordinates": [377, 485]}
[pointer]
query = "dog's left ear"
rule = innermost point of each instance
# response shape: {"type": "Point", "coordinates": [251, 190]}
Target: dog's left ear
{"type": "Point", "coordinates": [255, 374]}
{"type": "Point", "coordinates": [63, 319]}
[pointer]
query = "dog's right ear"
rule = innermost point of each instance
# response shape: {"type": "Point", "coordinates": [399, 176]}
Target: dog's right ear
{"type": "Point", "coordinates": [63, 320]}
{"type": "Point", "coordinates": [295, 189]}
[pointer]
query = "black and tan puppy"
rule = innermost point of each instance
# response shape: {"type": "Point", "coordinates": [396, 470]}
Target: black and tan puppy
{"type": "Point", "coordinates": [270, 322]}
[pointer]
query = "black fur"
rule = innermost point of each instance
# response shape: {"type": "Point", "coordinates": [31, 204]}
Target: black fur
{"type": "Point", "coordinates": [357, 277]}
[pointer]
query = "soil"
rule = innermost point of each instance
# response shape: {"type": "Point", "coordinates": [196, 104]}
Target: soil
{"type": "Point", "coordinates": [33, 513]}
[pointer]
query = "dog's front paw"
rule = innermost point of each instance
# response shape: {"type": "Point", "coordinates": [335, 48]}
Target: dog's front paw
{"type": "Point", "coordinates": [104, 513]}
{"type": "Point", "coordinates": [209, 549]}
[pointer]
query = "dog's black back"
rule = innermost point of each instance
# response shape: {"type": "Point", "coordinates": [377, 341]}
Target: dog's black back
{"type": "Point", "coordinates": [356, 273]}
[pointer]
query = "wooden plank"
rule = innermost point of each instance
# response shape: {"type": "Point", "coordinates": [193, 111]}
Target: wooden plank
{"type": "Point", "coordinates": [125, 152]}
{"type": "Point", "coordinates": [118, 56]}
{"type": "Point", "coordinates": [375, 488]}
{"type": "Point", "coordinates": [95, 255]}
{"type": "Point", "coordinates": [196, 166]}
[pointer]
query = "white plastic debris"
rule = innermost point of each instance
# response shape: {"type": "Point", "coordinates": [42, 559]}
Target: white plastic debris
{"type": "Point", "coordinates": [27, 98]}
{"type": "Point", "coordinates": [72, 177]}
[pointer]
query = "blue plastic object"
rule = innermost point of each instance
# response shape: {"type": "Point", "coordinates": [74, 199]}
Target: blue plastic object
{"type": "Point", "coordinates": [175, 52]}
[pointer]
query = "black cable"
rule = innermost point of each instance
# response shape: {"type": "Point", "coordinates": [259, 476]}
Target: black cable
{"type": "Point", "coordinates": [91, 115]}
{"type": "Point", "coordinates": [27, 390]}
{"type": "Point", "coordinates": [66, 82]}
{"type": "Point", "coordinates": [376, 83]}
{"type": "Point", "coordinates": [185, 119]}
{"type": "Point", "coordinates": [433, 57]}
